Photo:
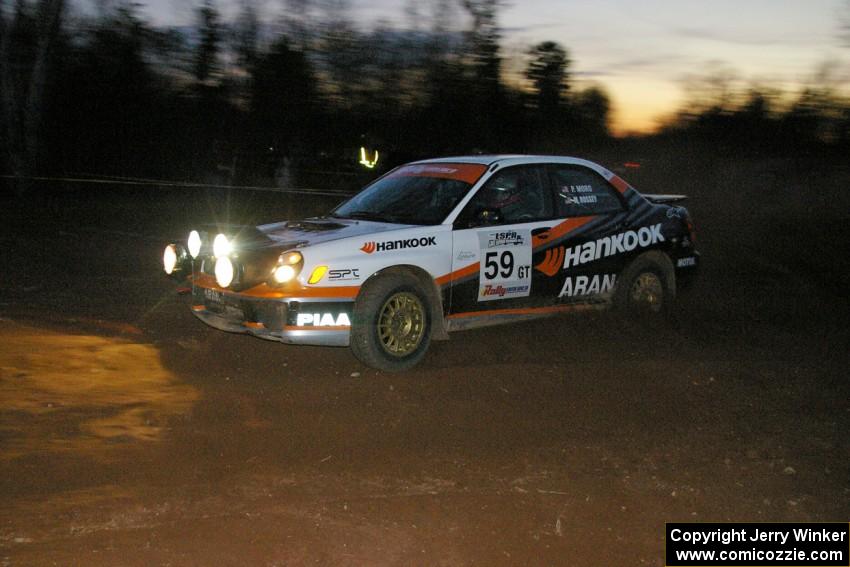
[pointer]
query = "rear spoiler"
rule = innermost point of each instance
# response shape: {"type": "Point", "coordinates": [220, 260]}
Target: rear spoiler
{"type": "Point", "coordinates": [665, 199]}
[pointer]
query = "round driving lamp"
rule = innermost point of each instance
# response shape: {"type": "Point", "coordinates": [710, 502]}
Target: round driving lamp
{"type": "Point", "coordinates": [283, 274]}
{"type": "Point", "coordinates": [174, 259]}
{"type": "Point", "coordinates": [288, 267]}
{"type": "Point", "coordinates": [222, 246]}
{"type": "Point", "coordinates": [169, 259]}
{"type": "Point", "coordinates": [291, 258]}
{"type": "Point", "coordinates": [194, 243]}
{"type": "Point", "coordinates": [224, 271]}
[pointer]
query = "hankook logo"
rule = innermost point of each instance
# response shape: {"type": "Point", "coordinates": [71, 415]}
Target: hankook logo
{"type": "Point", "coordinates": [611, 245]}
{"type": "Point", "coordinates": [422, 242]}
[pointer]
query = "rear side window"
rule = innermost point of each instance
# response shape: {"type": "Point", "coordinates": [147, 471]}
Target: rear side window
{"type": "Point", "coordinates": [582, 192]}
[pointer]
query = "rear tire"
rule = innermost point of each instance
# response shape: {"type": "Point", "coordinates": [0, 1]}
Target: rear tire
{"type": "Point", "coordinates": [647, 286]}
{"type": "Point", "coordinates": [391, 327]}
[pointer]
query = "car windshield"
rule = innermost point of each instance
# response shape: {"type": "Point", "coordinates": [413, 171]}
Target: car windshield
{"type": "Point", "coordinates": [413, 194]}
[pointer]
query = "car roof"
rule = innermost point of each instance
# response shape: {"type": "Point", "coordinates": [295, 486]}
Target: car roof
{"type": "Point", "coordinates": [512, 158]}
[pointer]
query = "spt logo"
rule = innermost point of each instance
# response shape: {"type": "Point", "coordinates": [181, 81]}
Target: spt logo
{"type": "Point", "coordinates": [368, 248]}
{"type": "Point", "coordinates": [552, 261]}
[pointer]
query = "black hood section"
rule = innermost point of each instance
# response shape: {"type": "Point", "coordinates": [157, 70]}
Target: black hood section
{"type": "Point", "coordinates": [243, 234]}
{"type": "Point", "coordinates": [255, 254]}
{"type": "Point", "coordinates": [255, 266]}
{"type": "Point", "coordinates": [314, 225]}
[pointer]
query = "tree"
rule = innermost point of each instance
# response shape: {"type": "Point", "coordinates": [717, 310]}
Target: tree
{"type": "Point", "coordinates": [246, 34]}
{"type": "Point", "coordinates": [592, 108]}
{"type": "Point", "coordinates": [209, 29]}
{"type": "Point", "coordinates": [716, 90]}
{"type": "Point", "coordinates": [297, 23]}
{"type": "Point", "coordinates": [282, 97]}
{"type": "Point", "coordinates": [483, 42]}
{"type": "Point", "coordinates": [107, 100]}
{"type": "Point", "coordinates": [485, 63]}
{"type": "Point", "coordinates": [26, 44]}
{"type": "Point", "coordinates": [548, 72]}
{"type": "Point", "coordinates": [341, 55]}
{"type": "Point", "coordinates": [816, 115]}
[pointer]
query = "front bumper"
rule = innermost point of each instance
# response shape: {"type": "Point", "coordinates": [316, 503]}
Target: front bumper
{"type": "Point", "coordinates": [307, 321]}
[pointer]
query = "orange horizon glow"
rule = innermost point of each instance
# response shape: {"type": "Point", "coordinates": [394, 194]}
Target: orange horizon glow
{"type": "Point", "coordinates": [639, 106]}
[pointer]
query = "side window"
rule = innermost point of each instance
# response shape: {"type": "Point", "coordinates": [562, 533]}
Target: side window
{"type": "Point", "coordinates": [581, 192]}
{"type": "Point", "coordinates": [513, 195]}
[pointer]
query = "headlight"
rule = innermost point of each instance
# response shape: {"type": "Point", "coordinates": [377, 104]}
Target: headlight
{"type": "Point", "coordinates": [194, 243]}
{"type": "Point", "coordinates": [291, 258]}
{"type": "Point", "coordinates": [283, 274]}
{"type": "Point", "coordinates": [221, 246]}
{"type": "Point", "coordinates": [169, 259]}
{"type": "Point", "coordinates": [288, 267]}
{"type": "Point", "coordinates": [223, 271]}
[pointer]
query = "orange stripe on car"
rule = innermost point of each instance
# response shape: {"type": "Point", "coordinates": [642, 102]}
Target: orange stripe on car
{"type": "Point", "coordinates": [458, 274]}
{"type": "Point", "coordinates": [266, 292]}
{"type": "Point", "coordinates": [619, 183]}
{"type": "Point", "coordinates": [559, 230]}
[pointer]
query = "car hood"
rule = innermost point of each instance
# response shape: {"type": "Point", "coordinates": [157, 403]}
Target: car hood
{"type": "Point", "coordinates": [313, 231]}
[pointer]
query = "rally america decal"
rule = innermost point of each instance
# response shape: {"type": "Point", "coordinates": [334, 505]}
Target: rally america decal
{"type": "Point", "coordinates": [422, 242]}
{"type": "Point", "coordinates": [505, 270]}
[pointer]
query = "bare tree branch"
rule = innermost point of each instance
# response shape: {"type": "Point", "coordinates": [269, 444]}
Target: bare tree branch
{"type": "Point", "coordinates": [23, 83]}
{"type": "Point", "coordinates": [49, 18]}
{"type": "Point", "coordinates": [7, 86]}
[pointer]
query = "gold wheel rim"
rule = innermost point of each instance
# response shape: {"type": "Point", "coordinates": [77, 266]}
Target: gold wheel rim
{"type": "Point", "coordinates": [401, 324]}
{"type": "Point", "coordinates": [647, 292]}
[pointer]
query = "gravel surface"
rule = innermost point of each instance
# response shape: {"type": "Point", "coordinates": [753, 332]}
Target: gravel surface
{"type": "Point", "coordinates": [132, 434]}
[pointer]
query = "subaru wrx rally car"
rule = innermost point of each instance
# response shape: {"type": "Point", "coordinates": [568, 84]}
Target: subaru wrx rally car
{"type": "Point", "coordinates": [439, 246]}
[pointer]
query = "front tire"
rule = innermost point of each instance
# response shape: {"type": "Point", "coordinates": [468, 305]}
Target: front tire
{"type": "Point", "coordinates": [391, 328]}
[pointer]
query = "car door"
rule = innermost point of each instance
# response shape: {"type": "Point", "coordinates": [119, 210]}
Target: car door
{"type": "Point", "coordinates": [493, 243]}
{"type": "Point", "coordinates": [581, 258]}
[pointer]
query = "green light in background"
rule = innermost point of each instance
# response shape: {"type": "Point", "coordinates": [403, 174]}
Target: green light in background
{"type": "Point", "coordinates": [365, 161]}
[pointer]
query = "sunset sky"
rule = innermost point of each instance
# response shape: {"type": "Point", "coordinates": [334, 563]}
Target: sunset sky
{"type": "Point", "coordinates": [641, 52]}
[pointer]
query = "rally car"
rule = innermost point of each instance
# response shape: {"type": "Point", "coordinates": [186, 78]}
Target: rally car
{"type": "Point", "coordinates": [443, 245]}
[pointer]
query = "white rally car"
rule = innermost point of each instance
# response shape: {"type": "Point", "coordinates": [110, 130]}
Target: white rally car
{"type": "Point", "coordinates": [443, 245]}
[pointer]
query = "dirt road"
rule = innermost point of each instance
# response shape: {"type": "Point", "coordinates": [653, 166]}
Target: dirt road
{"type": "Point", "coordinates": [132, 434]}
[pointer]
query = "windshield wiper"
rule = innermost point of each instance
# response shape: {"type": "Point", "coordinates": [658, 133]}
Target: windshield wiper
{"type": "Point", "coordinates": [365, 215]}
{"type": "Point", "coordinates": [410, 218]}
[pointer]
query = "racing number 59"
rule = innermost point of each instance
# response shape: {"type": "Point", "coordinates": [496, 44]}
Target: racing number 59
{"type": "Point", "coordinates": [495, 260]}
